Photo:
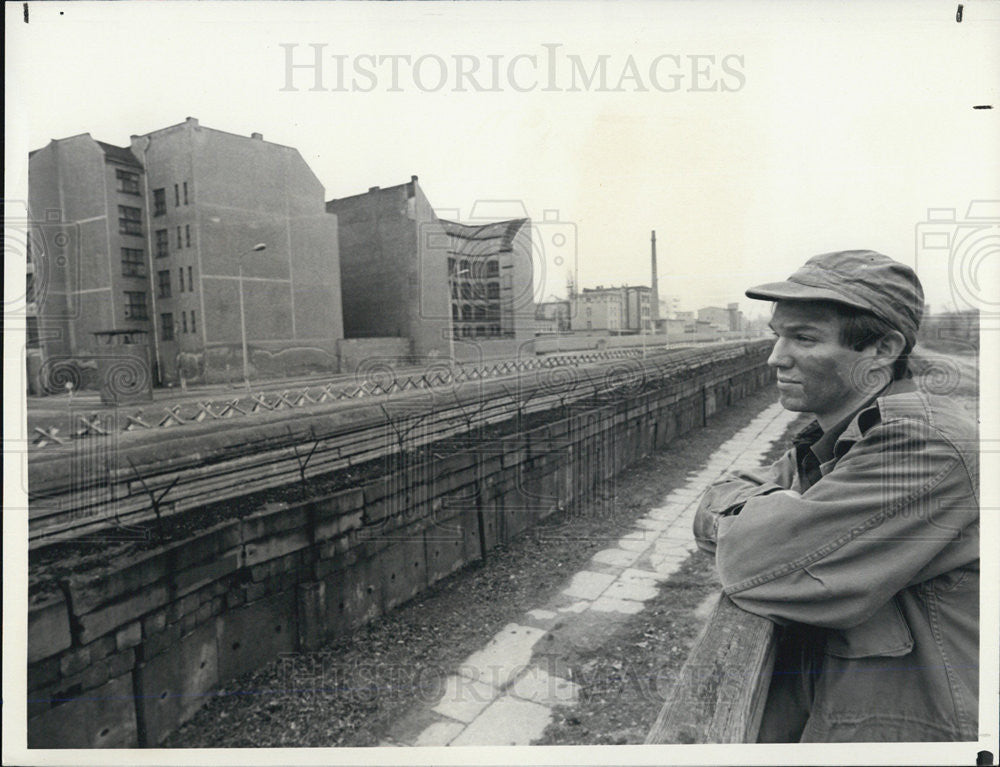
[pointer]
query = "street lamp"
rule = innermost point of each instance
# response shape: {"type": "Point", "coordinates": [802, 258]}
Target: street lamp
{"type": "Point", "coordinates": [243, 322]}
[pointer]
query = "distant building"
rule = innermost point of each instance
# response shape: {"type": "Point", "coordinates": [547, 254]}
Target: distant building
{"type": "Point", "coordinates": [453, 289]}
{"type": "Point", "coordinates": [552, 316]}
{"type": "Point", "coordinates": [598, 309]}
{"type": "Point", "coordinates": [160, 229]}
{"type": "Point", "coordinates": [490, 280]}
{"type": "Point", "coordinates": [639, 309]}
{"type": "Point", "coordinates": [669, 306]}
{"type": "Point", "coordinates": [729, 319]}
{"type": "Point", "coordinates": [715, 316]}
{"type": "Point", "coordinates": [675, 326]}
{"type": "Point", "coordinates": [736, 321]}
{"type": "Point", "coordinates": [633, 303]}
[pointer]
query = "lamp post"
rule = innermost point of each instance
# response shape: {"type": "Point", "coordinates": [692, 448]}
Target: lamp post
{"type": "Point", "coordinates": [243, 322]}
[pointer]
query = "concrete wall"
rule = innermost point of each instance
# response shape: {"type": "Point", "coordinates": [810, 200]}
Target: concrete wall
{"type": "Point", "coordinates": [122, 657]}
{"type": "Point", "coordinates": [359, 354]}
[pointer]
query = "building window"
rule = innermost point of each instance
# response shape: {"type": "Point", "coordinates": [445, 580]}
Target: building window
{"type": "Point", "coordinates": [135, 305]}
{"type": "Point", "coordinates": [492, 269]}
{"type": "Point", "coordinates": [180, 278]}
{"type": "Point", "coordinates": [493, 290]}
{"type": "Point", "coordinates": [193, 328]}
{"type": "Point", "coordinates": [159, 202]}
{"type": "Point", "coordinates": [187, 233]}
{"type": "Point", "coordinates": [129, 220]}
{"type": "Point", "coordinates": [133, 263]}
{"type": "Point", "coordinates": [180, 243]}
{"type": "Point", "coordinates": [185, 192]}
{"type": "Point", "coordinates": [184, 322]}
{"type": "Point", "coordinates": [167, 326]}
{"type": "Point", "coordinates": [451, 265]}
{"type": "Point", "coordinates": [177, 195]}
{"type": "Point", "coordinates": [128, 182]}
{"type": "Point", "coordinates": [162, 245]}
{"type": "Point", "coordinates": [190, 280]}
{"type": "Point", "coordinates": [163, 283]}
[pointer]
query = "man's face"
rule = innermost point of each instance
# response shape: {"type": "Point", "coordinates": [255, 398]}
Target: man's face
{"type": "Point", "coordinates": [814, 370]}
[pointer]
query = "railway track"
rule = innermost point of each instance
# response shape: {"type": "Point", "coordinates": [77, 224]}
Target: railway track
{"type": "Point", "coordinates": [102, 483]}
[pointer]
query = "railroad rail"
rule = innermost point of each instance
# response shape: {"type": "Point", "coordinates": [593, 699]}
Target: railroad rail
{"type": "Point", "coordinates": [91, 486]}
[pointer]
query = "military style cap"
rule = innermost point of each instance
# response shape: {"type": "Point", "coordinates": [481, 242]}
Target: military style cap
{"type": "Point", "coordinates": [863, 279]}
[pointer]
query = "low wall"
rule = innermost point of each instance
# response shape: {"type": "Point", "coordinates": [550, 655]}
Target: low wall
{"type": "Point", "coordinates": [223, 363]}
{"type": "Point", "coordinates": [123, 657]}
{"type": "Point", "coordinates": [549, 344]}
{"type": "Point", "coordinates": [476, 351]}
{"type": "Point", "coordinates": [357, 352]}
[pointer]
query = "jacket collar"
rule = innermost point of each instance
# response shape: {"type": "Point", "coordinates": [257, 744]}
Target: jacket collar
{"type": "Point", "coordinates": [837, 440]}
{"type": "Point", "coordinates": [864, 418]}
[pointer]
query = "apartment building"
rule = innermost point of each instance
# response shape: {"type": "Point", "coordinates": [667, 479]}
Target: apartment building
{"type": "Point", "coordinates": [166, 233]}
{"type": "Point", "coordinates": [455, 290]}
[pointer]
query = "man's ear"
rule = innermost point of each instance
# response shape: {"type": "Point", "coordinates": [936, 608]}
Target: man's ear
{"type": "Point", "coordinates": [890, 346]}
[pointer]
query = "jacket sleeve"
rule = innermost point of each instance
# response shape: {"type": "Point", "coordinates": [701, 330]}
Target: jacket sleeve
{"type": "Point", "coordinates": [727, 496]}
{"type": "Point", "coordinates": [872, 526]}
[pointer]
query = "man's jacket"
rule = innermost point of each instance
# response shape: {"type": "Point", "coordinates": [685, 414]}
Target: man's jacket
{"type": "Point", "coordinates": [879, 552]}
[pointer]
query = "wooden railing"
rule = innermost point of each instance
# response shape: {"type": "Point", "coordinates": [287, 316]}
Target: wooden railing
{"type": "Point", "coordinates": [720, 692]}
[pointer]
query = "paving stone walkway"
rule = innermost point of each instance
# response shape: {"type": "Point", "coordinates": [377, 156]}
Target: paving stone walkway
{"type": "Point", "coordinates": [504, 693]}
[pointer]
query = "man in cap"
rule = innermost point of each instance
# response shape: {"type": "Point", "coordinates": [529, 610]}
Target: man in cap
{"type": "Point", "coordinates": [862, 541]}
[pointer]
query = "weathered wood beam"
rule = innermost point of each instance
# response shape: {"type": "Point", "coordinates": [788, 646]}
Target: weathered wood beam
{"type": "Point", "coordinates": [720, 691]}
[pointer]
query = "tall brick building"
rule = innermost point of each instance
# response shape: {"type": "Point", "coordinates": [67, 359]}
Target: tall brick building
{"type": "Point", "coordinates": [158, 229]}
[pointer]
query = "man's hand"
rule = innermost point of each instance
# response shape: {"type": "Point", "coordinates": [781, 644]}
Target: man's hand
{"type": "Point", "coordinates": [726, 496]}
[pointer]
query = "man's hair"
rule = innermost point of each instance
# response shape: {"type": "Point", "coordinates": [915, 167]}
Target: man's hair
{"type": "Point", "coordinates": [859, 329]}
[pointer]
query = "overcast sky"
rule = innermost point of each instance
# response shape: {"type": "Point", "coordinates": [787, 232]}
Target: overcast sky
{"type": "Point", "coordinates": [748, 135]}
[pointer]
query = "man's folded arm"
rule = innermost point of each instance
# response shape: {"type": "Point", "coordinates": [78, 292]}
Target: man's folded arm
{"type": "Point", "coordinates": [727, 496]}
{"type": "Point", "coordinates": [835, 554]}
